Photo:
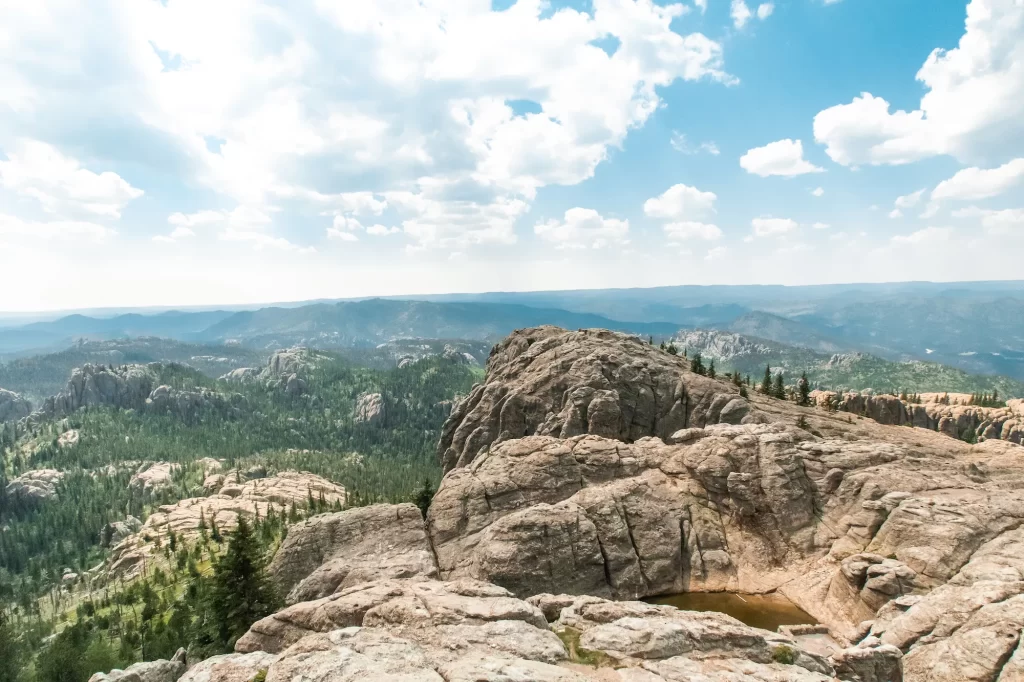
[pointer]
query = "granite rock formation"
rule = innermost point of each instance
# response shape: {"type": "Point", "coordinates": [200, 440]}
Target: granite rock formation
{"type": "Point", "coordinates": [956, 418]}
{"type": "Point", "coordinates": [548, 381]}
{"type": "Point", "coordinates": [13, 407]}
{"type": "Point", "coordinates": [38, 485]}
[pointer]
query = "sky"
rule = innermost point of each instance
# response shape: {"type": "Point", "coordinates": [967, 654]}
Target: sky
{"type": "Point", "coordinates": [187, 152]}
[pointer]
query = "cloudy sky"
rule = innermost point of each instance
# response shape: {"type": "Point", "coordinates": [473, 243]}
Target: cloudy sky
{"type": "Point", "coordinates": [193, 152]}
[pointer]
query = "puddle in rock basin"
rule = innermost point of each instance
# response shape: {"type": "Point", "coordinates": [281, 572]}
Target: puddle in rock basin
{"type": "Point", "coordinates": [766, 611]}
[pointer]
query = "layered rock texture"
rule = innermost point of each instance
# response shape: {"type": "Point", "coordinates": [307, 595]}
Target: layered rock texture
{"type": "Point", "coordinates": [548, 381]}
{"type": "Point", "coordinates": [474, 631]}
{"type": "Point", "coordinates": [957, 418]}
{"type": "Point", "coordinates": [334, 551]}
{"type": "Point", "coordinates": [854, 521]}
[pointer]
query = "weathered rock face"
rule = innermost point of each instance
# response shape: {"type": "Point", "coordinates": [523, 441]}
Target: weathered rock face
{"type": "Point", "coordinates": [369, 409]}
{"type": "Point", "coordinates": [230, 668]}
{"type": "Point", "coordinates": [956, 418]}
{"type": "Point", "coordinates": [68, 439]}
{"type": "Point", "coordinates": [474, 631]}
{"type": "Point", "coordinates": [35, 486]}
{"type": "Point", "coordinates": [331, 552]}
{"type": "Point", "coordinates": [860, 524]}
{"type": "Point", "coordinates": [152, 478]}
{"type": "Point", "coordinates": [126, 387]}
{"type": "Point", "coordinates": [223, 508]}
{"type": "Point", "coordinates": [133, 387]}
{"type": "Point", "coordinates": [12, 406]}
{"type": "Point", "coordinates": [284, 371]}
{"type": "Point", "coordinates": [152, 671]}
{"type": "Point", "coordinates": [191, 406]}
{"type": "Point", "coordinates": [547, 381]}
{"type": "Point", "coordinates": [114, 533]}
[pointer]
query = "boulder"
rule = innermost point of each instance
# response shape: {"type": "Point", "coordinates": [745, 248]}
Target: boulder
{"type": "Point", "coordinates": [113, 533]}
{"type": "Point", "coordinates": [152, 671]}
{"type": "Point", "coordinates": [35, 486]}
{"type": "Point", "coordinates": [230, 668]}
{"type": "Point", "coordinates": [331, 552]}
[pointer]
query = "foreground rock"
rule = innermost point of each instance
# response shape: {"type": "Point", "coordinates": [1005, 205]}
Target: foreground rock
{"type": "Point", "coordinates": [474, 631]}
{"type": "Point", "coordinates": [35, 486]}
{"type": "Point", "coordinates": [12, 406]}
{"type": "Point", "coordinates": [334, 551]}
{"type": "Point", "coordinates": [901, 540]}
{"type": "Point", "coordinates": [152, 671]}
{"type": "Point", "coordinates": [547, 381]}
{"type": "Point", "coordinates": [130, 557]}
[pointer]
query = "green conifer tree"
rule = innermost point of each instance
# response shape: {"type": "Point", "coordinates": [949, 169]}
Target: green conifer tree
{"type": "Point", "coordinates": [766, 382]}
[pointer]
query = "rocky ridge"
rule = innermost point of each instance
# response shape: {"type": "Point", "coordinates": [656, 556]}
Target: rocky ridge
{"type": "Point", "coordinates": [956, 418]}
{"type": "Point", "coordinates": [547, 381]}
{"type": "Point", "coordinates": [223, 507]}
{"type": "Point", "coordinates": [134, 387]}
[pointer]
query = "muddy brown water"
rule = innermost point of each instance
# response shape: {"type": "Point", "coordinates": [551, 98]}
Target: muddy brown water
{"type": "Point", "coordinates": [766, 611]}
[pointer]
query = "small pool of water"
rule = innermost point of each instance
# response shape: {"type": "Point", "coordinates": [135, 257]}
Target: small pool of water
{"type": "Point", "coordinates": [766, 611]}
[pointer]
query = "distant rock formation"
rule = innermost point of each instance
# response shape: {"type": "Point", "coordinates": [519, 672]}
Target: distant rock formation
{"type": "Point", "coordinates": [12, 406]}
{"type": "Point", "coordinates": [369, 409]}
{"type": "Point", "coordinates": [38, 485]}
{"type": "Point", "coordinates": [152, 478]}
{"type": "Point", "coordinates": [548, 381]}
{"type": "Point", "coordinates": [284, 371]}
{"type": "Point", "coordinates": [133, 387]}
{"type": "Point", "coordinates": [222, 508]}
{"type": "Point", "coordinates": [956, 418]}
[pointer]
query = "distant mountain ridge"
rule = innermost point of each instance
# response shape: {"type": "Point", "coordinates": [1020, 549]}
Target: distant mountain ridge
{"type": "Point", "coordinates": [348, 324]}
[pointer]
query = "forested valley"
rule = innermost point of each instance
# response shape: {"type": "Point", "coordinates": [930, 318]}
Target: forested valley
{"type": "Point", "coordinates": [63, 618]}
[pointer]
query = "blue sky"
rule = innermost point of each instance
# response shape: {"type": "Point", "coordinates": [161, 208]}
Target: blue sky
{"type": "Point", "coordinates": [186, 152]}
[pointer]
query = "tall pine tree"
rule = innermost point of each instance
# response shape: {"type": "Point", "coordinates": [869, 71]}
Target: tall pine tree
{"type": "Point", "coordinates": [239, 593]}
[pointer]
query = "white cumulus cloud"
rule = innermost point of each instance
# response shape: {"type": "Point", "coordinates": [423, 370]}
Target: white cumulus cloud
{"type": "Point", "coordinates": [973, 184]}
{"type": "Point", "coordinates": [583, 228]}
{"type": "Point", "coordinates": [681, 203]}
{"type": "Point", "coordinates": [784, 157]}
{"type": "Point", "coordinates": [59, 183]}
{"type": "Point", "coordinates": [973, 107]}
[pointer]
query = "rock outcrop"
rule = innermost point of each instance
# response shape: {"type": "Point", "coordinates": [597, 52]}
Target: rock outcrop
{"type": "Point", "coordinates": [35, 486]}
{"type": "Point", "coordinates": [134, 387]}
{"type": "Point", "coordinates": [333, 551]}
{"type": "Point", "coordinates": [151, 671]}
{"type": "Point", "coordinates": [12, 406]}
{"type": "Point", "coordinates": [152, 478]}
{"type": "Point", "coordinates": [369, 409]}
{"type": "Point", "coordinates": [548, 381]}
{"type": "Point", "coordinates": [474, 631]}
{"type": "Point", "coordinates": [222, 508]}
{"type": "Point", "coordinates": [951, 415]}
{"type": "Point", "coordinates": [285, 370]}
{"type": "Point", "coordinates": [862, 525]}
